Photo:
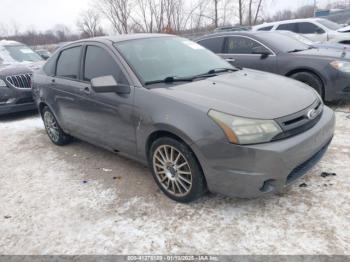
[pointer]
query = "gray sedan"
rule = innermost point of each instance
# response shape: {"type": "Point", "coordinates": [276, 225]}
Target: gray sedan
{"type": "Point", "coordinates": [198, 122]}
{"type": "Point", "coordinates": [326, 70]}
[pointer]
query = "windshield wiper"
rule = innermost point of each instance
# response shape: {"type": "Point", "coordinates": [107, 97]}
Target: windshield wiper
{"type": "Point", "coordinates": [222, 70]}
{"type": "Point", "coordinates": [173, 79]}
{"type": "Point", "coordinates": [170, 79]}
{"type": "Point", "coordinates": [296, 50]}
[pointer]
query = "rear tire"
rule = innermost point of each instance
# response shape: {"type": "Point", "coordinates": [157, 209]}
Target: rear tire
{"type": "Point", "coordinates": [176, 170]}
{"type": "Point", "coordinates": [53, 129]}
{"type": "Point", "coordinates": [310, 79]}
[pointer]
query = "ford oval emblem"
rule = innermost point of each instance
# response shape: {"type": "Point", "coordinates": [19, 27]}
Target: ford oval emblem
{"type": "Point", "coordinates": [311, 114]}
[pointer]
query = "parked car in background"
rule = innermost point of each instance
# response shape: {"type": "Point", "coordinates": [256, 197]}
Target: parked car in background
{"type": "Point", "coordinates": [311, 43]}
{"type": "Point", "coordinates": [326, 70]}
{"type": "Point", "coordinates": [198, 122]}
{"type": "Point", "coordinates": [45, 54]}
{"type": "Point", "coordinates": [17, 62]}
{"type": "Point", "coordinates": [232, 28]}
{"type": "Point", "coordinates": [316, 29]}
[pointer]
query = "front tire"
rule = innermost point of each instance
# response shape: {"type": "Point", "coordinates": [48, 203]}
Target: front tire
{"type": "Point", "coordinates": [176, 170]}
{"type": "Point", "coordinates": [310, 79]}
{"type": "Point", "coordinates": [53, 129]}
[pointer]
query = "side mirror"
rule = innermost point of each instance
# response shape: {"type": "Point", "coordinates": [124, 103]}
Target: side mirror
{"type": "Point", "coordinates": [45, 57]}
{"type": "Point", "coordinates": [260, 50]}
{"type": "Point", "coordinates": [107, 84]}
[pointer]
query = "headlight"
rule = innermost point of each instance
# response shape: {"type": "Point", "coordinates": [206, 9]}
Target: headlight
{"type": "Point", "coordinates": [2, 83]}
{"type": "Point", "coordinates": [245, 131]}
{"type": "Point", "coordinates": [341, 66]}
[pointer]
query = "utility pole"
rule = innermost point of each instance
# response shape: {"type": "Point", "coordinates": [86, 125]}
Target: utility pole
{"type": "Point", "coordinates": [315, 7]}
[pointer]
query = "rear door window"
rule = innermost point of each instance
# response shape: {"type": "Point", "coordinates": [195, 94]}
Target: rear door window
{"type": "Point", "coordinates": [309, 28]}
{"type": "Point", "coordinates": [99, 62]}
{"type": "Point", "coordinates": [293, 27]}
{"type": "Point", "coordinates": [68, 63]}
{"type": "Point", "coordinates": [213, 44]}
{"type": "Point", "coordinates": [240, 45]}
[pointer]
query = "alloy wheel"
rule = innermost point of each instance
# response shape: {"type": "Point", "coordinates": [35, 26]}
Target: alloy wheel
{"type": "Point", "coordinates": [51, 126]}
{"type": "Point", "coordinates": [172, 170]}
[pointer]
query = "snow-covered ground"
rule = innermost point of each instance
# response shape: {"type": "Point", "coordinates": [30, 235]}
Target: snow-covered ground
{"type": "Point", "coordinates": [80, 199]}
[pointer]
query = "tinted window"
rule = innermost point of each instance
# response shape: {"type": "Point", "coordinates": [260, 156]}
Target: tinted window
{"type": "Point", "coordinates": [213, 44]}
{"type": "Point", "coordinates": [241, 45]}
{"type": "Point", "coordinates": [267, 28]}
{"type": "Point", "coordinates": [293, 27]}
{"type": "Point", "coordinates": [308, 28]}
{"type": "Point", "coordinates": [98, 62]}
{"type": "Point", "coordinates": [68, 63]}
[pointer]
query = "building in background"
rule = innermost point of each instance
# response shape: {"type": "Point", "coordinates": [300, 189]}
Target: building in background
{"type": "Point", "coordinates": [336, 15]}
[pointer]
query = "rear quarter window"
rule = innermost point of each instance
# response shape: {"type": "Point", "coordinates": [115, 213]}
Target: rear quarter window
{"type": "Point", "coordinates": [266, 28]}
{"type": "Point", "coordinates": [50, 66]}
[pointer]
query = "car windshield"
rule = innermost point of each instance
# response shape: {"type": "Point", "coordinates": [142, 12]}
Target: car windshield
{"type": "Point", "coordinates": [158, 58]}
{"type": "Point", "coordinates": [18, 53]}
{"type": "Point", "coordinates": [284, 43]}
{"type": "Point", "coordinates": [329, 24]}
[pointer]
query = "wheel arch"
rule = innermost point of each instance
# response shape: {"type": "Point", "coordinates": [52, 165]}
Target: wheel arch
{"type": "Point", "coordinates": [311, 71]}
{"type": "Point", "coordinates": [163, 133]}
{"type": "Point", "coordinates": [166, 133]}
{"type": "Point", "coordinates": [41, 107]}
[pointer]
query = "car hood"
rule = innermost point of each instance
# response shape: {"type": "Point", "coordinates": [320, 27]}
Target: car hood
{"type": "Point", "coordinates": [19, 68]}
{"type": "Point", "coordinates": [345, 29]}
{"type": "Point", "coordinates": [246, 93]}
{"type": "Point", "coordinates": [328, 53]}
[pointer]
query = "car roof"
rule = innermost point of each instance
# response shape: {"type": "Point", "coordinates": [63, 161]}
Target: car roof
{"type": "Point", "coordinates": [9, 42]}
{"type": "Point", "coordinates": [288, 21]}
{"type": "Point", "coordinates": [242, 33]}
{"type": "Point", "coordinates": [123, 37]}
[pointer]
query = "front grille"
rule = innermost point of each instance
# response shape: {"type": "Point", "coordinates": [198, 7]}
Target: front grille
{"type": "Point", "coordinates": [20, 81]}
{"type": "Point", "coordinates": [302, 169]}
{"type": "Point", "coordinates": [301, 121]}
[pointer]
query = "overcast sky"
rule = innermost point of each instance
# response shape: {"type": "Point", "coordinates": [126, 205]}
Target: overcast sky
{"type": "Point", "coordinates": [45, 14]}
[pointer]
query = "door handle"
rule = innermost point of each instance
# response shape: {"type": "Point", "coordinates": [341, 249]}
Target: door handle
{"type": "Point", "coordinates": [86, 90]}
{"type": "Point", "coordinates": [230, 59]}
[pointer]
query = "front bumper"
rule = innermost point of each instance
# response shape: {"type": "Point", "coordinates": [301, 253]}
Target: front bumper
{"type": "Point", "coordinates": [338, 86]}
{"type": "Point", "coordinates": [15, 100]}
{"type": "Point", "coordinates": [252, 171]}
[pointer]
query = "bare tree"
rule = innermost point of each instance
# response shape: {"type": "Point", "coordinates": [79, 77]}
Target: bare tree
{"type": "Point", "coordinates": [240, 10]}
{"type": "Point", "coordinates": [257, 11]}
{"type": "Point", "coordinates": [305, 11]}
{"type": "Point", "coordinates": [89, 24]}
{"type": "Point", "coordinates": [250, 12]}
{"type": "Point", "coordinates": [62, 32]}
{"type": "Point", "coordinates": [216, 15]}
{"type": "Point", "coordinates": [3, 30]}
{"type": "Point", "coordinates": [118, 12]}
